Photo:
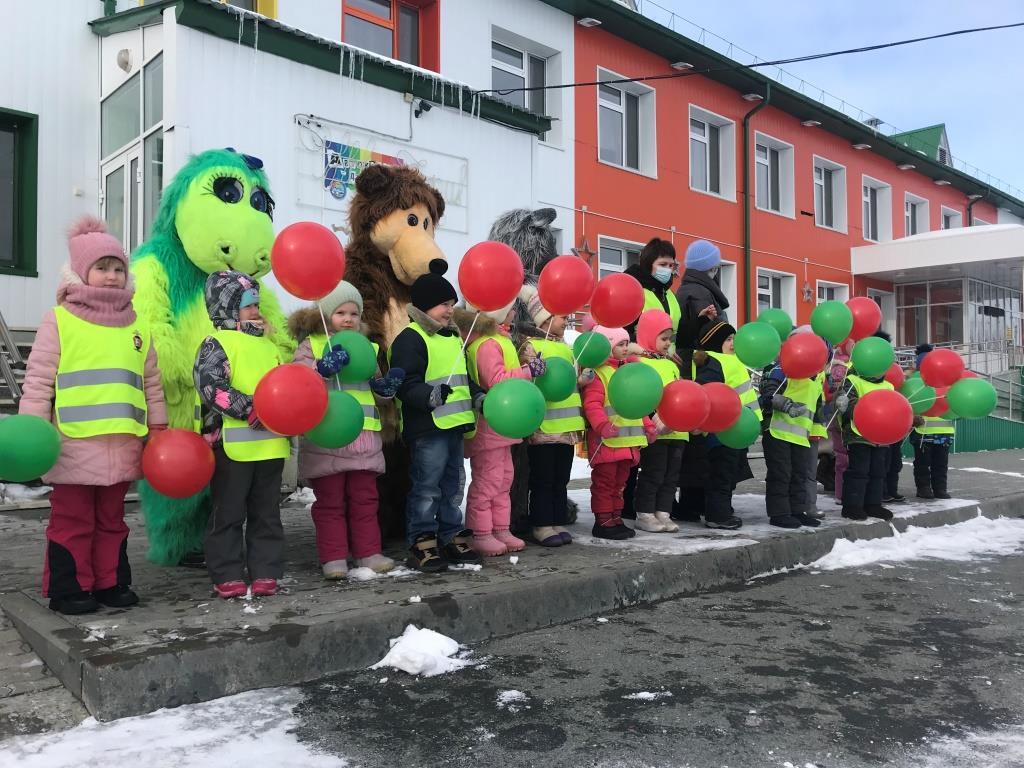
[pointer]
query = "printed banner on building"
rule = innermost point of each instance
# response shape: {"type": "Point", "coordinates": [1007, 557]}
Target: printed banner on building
{"type": "Point", "coordinates": [343, 162]}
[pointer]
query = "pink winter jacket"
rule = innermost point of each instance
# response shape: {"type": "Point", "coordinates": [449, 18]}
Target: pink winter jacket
{"type": "Point", "coordinates": [491, 362]}
{"type": "Point", "coordinates": [100, 460]}
{"type": "Point", "coordinates": [593, 412]}
{"type": "Point", "coordinates": [364, 454]}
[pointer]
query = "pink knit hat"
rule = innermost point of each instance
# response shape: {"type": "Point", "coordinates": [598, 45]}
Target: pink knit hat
{"type": "Point", "coordinates": [88, 242]}
{"type": "Point", "coordinates": [651, 324]}
{"type": "Point", "coordinates": [614, 335]}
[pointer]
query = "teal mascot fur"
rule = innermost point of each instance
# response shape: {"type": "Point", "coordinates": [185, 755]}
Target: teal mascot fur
{"type": "Point", "coordinates": [215, 214]}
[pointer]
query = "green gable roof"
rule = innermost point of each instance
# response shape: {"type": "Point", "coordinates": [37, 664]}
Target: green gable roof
{"type": "Point", "coordinates": [925, 140]}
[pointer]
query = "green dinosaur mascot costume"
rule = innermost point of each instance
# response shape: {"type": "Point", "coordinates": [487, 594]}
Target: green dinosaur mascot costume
{"type": "Point", "coordinates": [215, 214]}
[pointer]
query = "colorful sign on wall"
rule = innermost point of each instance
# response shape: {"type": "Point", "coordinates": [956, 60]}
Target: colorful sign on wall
{"type": "Point", "coordinates": [343, 162]}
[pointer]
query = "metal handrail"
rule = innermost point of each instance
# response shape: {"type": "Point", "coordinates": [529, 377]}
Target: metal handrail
{"type": "Point", "coordinates": [7, 343]}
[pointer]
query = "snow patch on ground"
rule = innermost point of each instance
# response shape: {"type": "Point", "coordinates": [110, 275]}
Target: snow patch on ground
{"type": "Point", "coordinates": [254, 728]}
{"type": "Point", "coordinates": [423, 652]}
{"type": "Point", "coordinates": [362, 574]}
{"type": "Point", "coordinates": [648, 695]}
{"type": "Point", "coordinates": [512, 700]}
{"type": "Point", "coordinates": [14, 493]}
{"type": "Point", "coordinates": [988, 471]}
{"type": "Point", "coordinates": [992, 749]}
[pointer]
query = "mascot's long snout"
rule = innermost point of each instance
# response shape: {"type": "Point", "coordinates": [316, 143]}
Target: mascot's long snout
{"type": "Point", "coordinates": [413, 252]}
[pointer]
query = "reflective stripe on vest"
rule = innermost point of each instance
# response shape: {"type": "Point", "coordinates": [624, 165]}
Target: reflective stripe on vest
{"type": "Point", "coordinates": [738, 377]}
{"type": "Point", "coordinates": [250, 358]}
{"type": "Point", "coordinates": [631, 431]}
{"type": "Point", "coordinates": [360, 390]}
{"type": "Point", "coordinates": [936, 425]}
{"type": "Point", "coordinates": [100, 385]}
{"type": "Point", "coordinates": [862, 387]}
{"type": "Point", "coordinates": [565, 415]}
{"type": "Point", "coordinates": [651, 302]}
{"type": "Point", "coordinates": [795, 429]}
{"type": "Point", "coordinates": [668, 372]}
{"type": "Point", "coordinates": [444, 359]}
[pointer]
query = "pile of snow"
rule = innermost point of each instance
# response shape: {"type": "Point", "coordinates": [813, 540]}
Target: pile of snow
{"type": "Point", "coordinates": [961, 542]}
{"type": "Point", "coordinates": [254, 728]}
{"type": "Point", "coordinates": [512, 700]}
{"type": "Point", "coordinates": [302, 496]}
{"type": "Point", "coordinates": [423, 652]}
{"type": "Point", "coordinates": [13, 493]}
{"type": "Point", "coordinates": [648, 695]}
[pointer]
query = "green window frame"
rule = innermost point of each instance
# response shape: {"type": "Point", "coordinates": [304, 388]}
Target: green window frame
{"type": "Point", "coordinates": [26, 180]}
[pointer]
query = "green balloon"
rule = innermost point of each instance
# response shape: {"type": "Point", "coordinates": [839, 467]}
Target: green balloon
{"type": "Point", "coordinates": [362, 363]}
{"type": "Point", "coordinates": [757, 344]}
{"type": "Point", "coordinates": [778, 320]}
{"type": "Point", "coordinates": [972, 398]}
{"type": "Point", "coordinates": [341, 424]}
{"type": "Point", "coordinates": [832, 320]}
{"type": "Point", "coordinates": [591, 349]}
{"type": "Point", "coordinates": [872, 357]}
{"type": "Point", "coordinates": [29, 447]}
{"type": "Point", "coordinates": [635, 390]}
{"type": "Point", "coordinates": [743, 433]}
{"type": "Point", "coordinates": [920, 396]}
{"type": "Point", "coordinates": [558, 381]}
{"type": "Point", "coordinates": [514, 408]}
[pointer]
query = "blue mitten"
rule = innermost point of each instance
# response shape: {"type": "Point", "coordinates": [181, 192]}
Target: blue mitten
{"type": "Point", "coordinates": [387, 386]}
{"type": "Point", "coordinates": [332, 362]}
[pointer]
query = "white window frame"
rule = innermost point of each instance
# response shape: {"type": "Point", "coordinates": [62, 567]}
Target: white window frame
{"type": "Point", "coordinates": [976, 222]}
{"type": "Point", "coordinates": [945, 211]}
{"type": "Point", "coordinates": [787, 203]}
{"type": "Point", "coordinates": [839, 207]}
{"type": "Point", "coordinates": [726, 152]}
{"type": "Point", "coordinates": [727, 282]}
{"type": "Point", "coordinates": [529, 53]}
{"type": "Point", "coordinates": [883, 197]}
{"type": "Point", "coordinates": [842, 291]}
{"type": "Point", "coordinates": [787, 290]}
{"type": "Point", "coordinates": [886, 301]}
{"type": "Point", "coordinates": [921, 214]}
{"type": "Point", "coordinates": [647, 160]}
{"type": "Point", "coordinates": [619, 244]}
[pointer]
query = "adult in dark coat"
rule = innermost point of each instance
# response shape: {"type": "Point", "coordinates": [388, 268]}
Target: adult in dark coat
{"type": "Point", "coordinates": [655, 270]}
{"type": "Point", "coordinates": [700, 299]}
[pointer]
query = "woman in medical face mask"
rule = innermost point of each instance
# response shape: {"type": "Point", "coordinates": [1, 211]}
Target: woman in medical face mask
{"type": "Point", "coordinates": [656, 269]}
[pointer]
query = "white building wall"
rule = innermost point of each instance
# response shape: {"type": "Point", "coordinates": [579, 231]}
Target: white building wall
{"type": "Point", "coordinates": [49, 61]}
{"type": "Point", "coordinates": [1003, 216]}
{"type": "Point", "coordinates": [318, 17]}
{"type": "Point", "coordinates": [252, 103]}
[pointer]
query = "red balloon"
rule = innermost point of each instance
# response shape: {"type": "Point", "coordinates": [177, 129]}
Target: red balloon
{"type": "Point", "coordinates": [308, 260]}
{"type": "Point", "coordinates": [883, 416]}
{"type": "Point", "coordinates": [895, 376]}
{"type": "Point", "coordinates": [618, 300]}
{"type": "Point", "coordinates": [803, 356]}
{"type": "Point", "coordinates": [290, 399]}
{"type": "Point", "coordinates": [942, 368]}
{"type": "Point", "coordinates": [969, 374]}
{"type": "Point", "coordinates": [490, 275]}
{"type": "Point", "coordinates": [867, 317]}
{"type": "Point", "coordinates": [177, 463]}
{"type": "Point", "coordinates": [725, 407]}
{"type": "Point", "coordinates": [684, 405]}
{"type": "Point", "coordinates": [566, 285]}
{"type": "Point", "coordinates": [940, 406]}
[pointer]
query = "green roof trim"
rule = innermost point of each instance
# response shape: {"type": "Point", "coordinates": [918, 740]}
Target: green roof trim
{"type": "Point", "coordinates": [221, 20]}
{"type": "Point", "coordinates": [927, 140]}
{"type": "Point", "coordinates": [646, 33]}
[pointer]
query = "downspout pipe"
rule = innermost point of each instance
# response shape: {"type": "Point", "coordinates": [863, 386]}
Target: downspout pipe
{"type": "Point", "coordinates": [109, 7]}
{"type": "Point", "coordinates": [970, 207]}
{"type": "Point", "coordinates": [747, 313]}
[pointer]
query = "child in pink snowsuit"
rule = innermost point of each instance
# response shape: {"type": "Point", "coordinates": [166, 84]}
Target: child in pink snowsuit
{"type": "Point", "coordinates": [492, 358]}
{"type": "Point", "coordinates": [343, 479]}
{"type": "Point", "coordinates": [93, 373]}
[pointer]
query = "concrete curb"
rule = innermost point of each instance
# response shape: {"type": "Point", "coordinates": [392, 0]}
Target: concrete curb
{"type": "Point", "coordinates": [115, 684]}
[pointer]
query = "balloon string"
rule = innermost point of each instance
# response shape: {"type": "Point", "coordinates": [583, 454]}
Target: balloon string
{"type": "Point", "coordinates": [323, 319]}
{"type": "Point", "coordinates": [465, 341]}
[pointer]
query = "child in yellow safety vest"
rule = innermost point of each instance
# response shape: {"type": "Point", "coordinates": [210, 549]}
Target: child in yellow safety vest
{"type": "Point", "coordinates": [931, 439]}
{"type": "Point", "coordinates": [661, 460]}
{"type": "Point", "coordinates": [246, 483]}
{"type": "Point", "coordinates": [344, 479]}
{"type": "Point", "coordinates": [613, 443]}
{"type": "Point", "coordinates": [438, 400]}
{"type": "Point", "coordinates": [551, 448]}
{"type": "Point", "coordinates": [93, 373]}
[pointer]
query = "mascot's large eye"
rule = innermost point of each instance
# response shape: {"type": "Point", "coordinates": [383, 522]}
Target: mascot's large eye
{"type": "Point", "coordinates": [426, 222]}
{"type": "Point", "coordinates": [228, 189]}
{"type": "Point", "coordinates": [262, 202]}
{"type": "Point", "coordinates": [413, 220]}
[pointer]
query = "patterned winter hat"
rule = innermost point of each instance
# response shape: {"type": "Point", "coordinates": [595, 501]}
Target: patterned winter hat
{"type": "Point", "coordinates": [224, 293]}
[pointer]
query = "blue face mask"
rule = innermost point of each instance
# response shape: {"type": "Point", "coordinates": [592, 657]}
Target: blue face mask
{"type": "Point", "coordinates": [663, 275]}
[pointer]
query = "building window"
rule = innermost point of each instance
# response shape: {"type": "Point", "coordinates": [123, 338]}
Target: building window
{"type": "Point", "coordinates": [616, 255]}
{"type": "Point", "coordinates": [132, 145]}
{"type": "Point", "coordinates": [876, 200]}
{"type": "Point", "coordinates": [776, 290]}
{"type": "Point", "coordinates": [915, 215]}
{"type": "Point", "coordinates": [773, 166]}
{"type": "Point", "coordinates": [979, 222]}
{"type": "Point", "coordinates": [512, 68]}
{"type": "Point", "coordinates": [832, 291]}
{"type": "Point", "coordinates": [712, 153]}
{"type": "Point", "coordinates": [388, 27]}
{"type": "Point", "coordinates": [19, 142]}
{"type": "Point", "coordinates": [625, 125]}
{"type": "Point", "coordinates": [829, 194]}
{"type": "Point", "coordinates": [951, 219]}
{"type": "Point", "coordinates": [930, 312]}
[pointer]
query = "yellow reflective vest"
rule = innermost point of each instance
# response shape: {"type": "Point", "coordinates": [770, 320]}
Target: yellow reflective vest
{"type": "Point", "coordinates": [796, 429]}
{"type": "Point", "coordinates": [631, 431]}
{"type": "Point", "coordinates": [564, 415]}
{"type": "Point", "coordinates": [651, 302]}
{"type": "Point", "coordinates": [250, 358]}
{"type": "Point", "coordinates": [669, 372]}
{"type": "Point", "coordinates": [936, 425]}
{"type": "Point", "coordinates": [862, 387]}
{"type": "Point", "coordinates": [444, 360]}
{"type": "Point", "coordinates": [100, 388]}
{"type": "Point", "coordinates": [738, 377]}
{"type": "Point", "coordinates": [360, 390]}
